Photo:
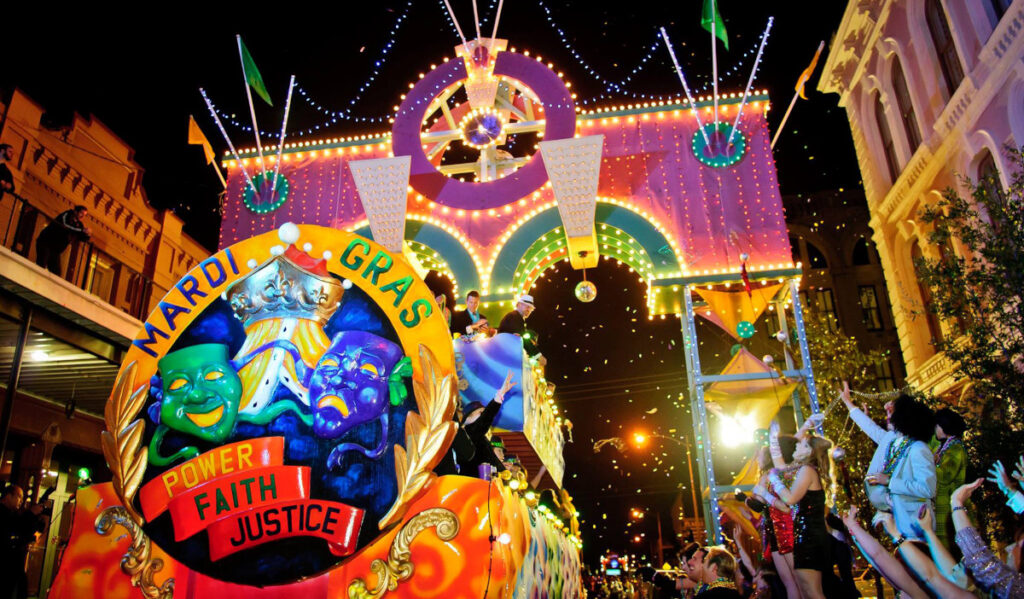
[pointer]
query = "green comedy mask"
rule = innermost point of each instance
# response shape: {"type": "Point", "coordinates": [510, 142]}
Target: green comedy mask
{"type": "Point", "coordinates": [201, 392]}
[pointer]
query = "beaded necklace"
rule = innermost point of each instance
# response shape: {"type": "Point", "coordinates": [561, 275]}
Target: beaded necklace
{"type": "Point", "coordinates": [722, 582]}
{"type": "Point", "coordinates": [949, 442]}
{"type": "Point", "coordinates": [895, 453]}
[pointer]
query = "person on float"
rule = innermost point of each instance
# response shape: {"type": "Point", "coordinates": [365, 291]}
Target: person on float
{"type": "Point", "coordinates": [470, 321]}
{"type": "Point", "coordinates": [901, 476]}
{"type": "Point", "coordinates": [950, 468]}
{"type": "Point", "coordinates": [479, 419]}
{"type": "Point", "coordinates": [515, 323]}
{"type": "Point", "coordinates": [808, 495]}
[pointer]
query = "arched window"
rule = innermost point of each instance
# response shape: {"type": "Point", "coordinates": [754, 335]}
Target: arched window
{"type": "Point", "coordinates": [888, 148]}
{"type": "Point", "coordinates": [945, 48]}
{"type": "Point", "coordinates": [906, 107]}
{"type": "Point", "coordinates": [988, 176]}
{"type": "Point", "coordinates": [815, 257]}
{"type": "Point", "coordinates": [932, 319]}
{"type": "Point", "coordinates": [862, 252]}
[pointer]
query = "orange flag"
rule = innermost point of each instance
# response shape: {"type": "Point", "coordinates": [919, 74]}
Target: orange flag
{"type": "Point", "coordinates": [196, 138]}
{"type": "Point", "coordinates": [806, 75]}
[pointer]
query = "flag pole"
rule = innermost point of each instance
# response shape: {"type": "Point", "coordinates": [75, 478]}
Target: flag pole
{"type": "Point", "coordinates": [750, 81]}
{"type": "Point", "coordinates": [714, 56]}
{"type": "Point", "coordinates": [252, 109]}
{"type": "Point", "coordinates": [686, 88]}
{"type": "Point", "coordinates": [476, 20]}
{"type": "Point", "coordinates": [497, 17]}
{"type": "Point", "coordinates": [458, 29]}
{"type": "Point", "coordinates": [796, 92]}
{"type": "Point", "coordinates": [785, 117]}
{"type": "Point", "coordinates": [231, 146]}
{"type": "Point", "coordinates": [280, 141]}
{"type": "Point", "coordinates": [220, 175]}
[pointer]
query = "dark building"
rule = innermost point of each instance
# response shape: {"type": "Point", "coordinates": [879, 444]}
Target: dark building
{"type": "Point", "coordinates": [830, 236]}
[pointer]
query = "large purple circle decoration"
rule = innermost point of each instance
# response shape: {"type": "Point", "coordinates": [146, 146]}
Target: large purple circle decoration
{"type": "Point", "coordinates": [426, 179]}
{"type": "Point", "coordinates": [481, 128]}
{"type": "Point", "coordinates": [719, 145]}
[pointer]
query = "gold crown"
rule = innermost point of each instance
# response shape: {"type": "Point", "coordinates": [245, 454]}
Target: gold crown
{"type": "Point", "coordinates": [282, 288]}
{"type": "Point", "coordinates": [279, 288]}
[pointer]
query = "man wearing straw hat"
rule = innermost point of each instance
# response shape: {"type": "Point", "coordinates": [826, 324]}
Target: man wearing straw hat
{"type": "Point", "coordinates": [515, 322]}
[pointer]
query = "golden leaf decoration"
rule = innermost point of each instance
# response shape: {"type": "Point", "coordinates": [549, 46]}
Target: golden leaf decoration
{"type": "Point", "coordinates": [427, 433]}
{"type": "Point", "coordinates": [122, 441]}
{"type": "Point", "coordinates": [399, 566]}
{"type": "Point", "coordinates": [138, 562]}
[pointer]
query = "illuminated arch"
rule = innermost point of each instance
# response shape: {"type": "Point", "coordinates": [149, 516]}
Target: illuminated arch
{"type": "Point", "coordinates": [438, 248]}
{"type": "Point", "coordinates": [537, 242]}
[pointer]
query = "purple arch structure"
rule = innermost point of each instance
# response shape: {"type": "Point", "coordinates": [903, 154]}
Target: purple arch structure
{"type": "Point", "coordinates": [560, 123]}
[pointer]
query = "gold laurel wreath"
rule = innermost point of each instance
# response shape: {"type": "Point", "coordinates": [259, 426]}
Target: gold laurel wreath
{"type": "Point", "coordinates": [399, 566]}
{"type": "Point", "coordinates": [138, 562]}
{"type": "Point", "coordinates": [127, 457]}
{"type": "Point", "coordinates": [427, 433]}
{"type": "Point", "coordinates": [122, 441]}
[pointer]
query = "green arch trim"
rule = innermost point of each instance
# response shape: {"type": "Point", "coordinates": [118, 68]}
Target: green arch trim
{"type": "Point", "coordinates": [632, 225]}
{"type": "Point", "coordinates": [459, 261]}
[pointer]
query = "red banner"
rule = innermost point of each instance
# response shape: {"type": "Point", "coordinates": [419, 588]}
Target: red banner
{"type": "Point", "coordinates": [226, 459]}
{"type": "Point", "coordinates": [232, 494]}
{"type": "Point", "coordinates": [334, 522]}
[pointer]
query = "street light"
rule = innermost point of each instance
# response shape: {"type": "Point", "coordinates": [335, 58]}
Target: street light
{"type": "Point", "coordinates": [639, 439]}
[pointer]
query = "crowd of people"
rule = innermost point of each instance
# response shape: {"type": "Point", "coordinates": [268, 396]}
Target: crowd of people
{"type": "Point", "coordinates": [916, 485]}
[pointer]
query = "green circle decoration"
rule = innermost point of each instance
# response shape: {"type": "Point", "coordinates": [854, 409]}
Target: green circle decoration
{"type": "Point", "coordinates": [718, 136]}
{"type": "Point", "coordinates": [263, 204]}
{"type": "Point", "coordinates": [745, 329]}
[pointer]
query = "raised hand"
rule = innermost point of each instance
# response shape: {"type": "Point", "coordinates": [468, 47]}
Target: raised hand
{"type": "Point", "coordinates": [505, 388]}
{"type": "Point", "coordinates": [1018, 472]}
{"type": "Point", "coordinates": [845, 395]}
{"type": "Point", "coordinates": [963, 493]}
{"type": "Point", "coordinates": [997, 474]}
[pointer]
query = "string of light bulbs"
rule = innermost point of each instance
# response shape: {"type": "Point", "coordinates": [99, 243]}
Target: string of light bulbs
{"type": "Point", "coordinates": [613, 90]}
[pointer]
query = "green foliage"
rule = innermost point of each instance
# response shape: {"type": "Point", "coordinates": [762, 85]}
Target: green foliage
{"type": "Point", "coordinates": [977, 285]}
{"type": "Point", "coordinates": [837, 357]}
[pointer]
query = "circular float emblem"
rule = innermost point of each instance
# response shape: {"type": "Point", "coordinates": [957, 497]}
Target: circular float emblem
{"type": "Point", "coordinates": [258, 417]}
{"type": "Point", "coordinates": [481, 128]}
{"type": "Point", "coordinates": [273, 193]}
{"type": "Point", "coordinates": [723, 147]}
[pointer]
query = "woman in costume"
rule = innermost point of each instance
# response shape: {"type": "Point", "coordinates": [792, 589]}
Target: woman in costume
{"type": "Point", "coordinates": [950, 468]}
{"type": "Point", "coordinates": [901, 477]}
{"type": "Point", "coordinates": [807, 496]}
{"type": "Point", "coordinates": [777, 520]}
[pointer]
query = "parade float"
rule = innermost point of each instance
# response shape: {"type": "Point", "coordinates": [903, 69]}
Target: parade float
{"type": "Point", "coordinates": [275, 426]}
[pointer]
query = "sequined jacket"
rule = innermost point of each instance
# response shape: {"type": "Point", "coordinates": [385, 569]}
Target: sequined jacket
{"type": "Point", "coordinates": [990, 573]}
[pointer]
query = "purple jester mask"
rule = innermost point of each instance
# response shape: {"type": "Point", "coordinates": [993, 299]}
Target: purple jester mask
{"type": "Point", "coordinates": [355, 379]}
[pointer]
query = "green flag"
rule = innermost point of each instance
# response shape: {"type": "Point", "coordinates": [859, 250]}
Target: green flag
{"type": "Point", "coordinates": [710, 14]}
{"type": "Point", "coordinates": [252, 74]}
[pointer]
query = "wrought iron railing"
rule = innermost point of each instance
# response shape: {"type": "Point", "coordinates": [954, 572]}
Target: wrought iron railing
{"type": "Point", "coordinates": [83, 265]}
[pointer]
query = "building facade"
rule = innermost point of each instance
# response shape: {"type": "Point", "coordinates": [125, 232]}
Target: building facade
{"type": "Point", "coordinates": [62, 336]}
{"type": "Point", "coordinates": [843, 274]}
{"type": "Point", "coordinates": [934, 90]}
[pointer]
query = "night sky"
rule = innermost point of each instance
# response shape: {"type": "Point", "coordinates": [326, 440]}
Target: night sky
{"type": "Point", "coordinates": [616, 370]}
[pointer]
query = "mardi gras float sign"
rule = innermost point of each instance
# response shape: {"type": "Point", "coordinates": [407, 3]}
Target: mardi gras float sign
{"type": "Point", "coordinates": [275, 424]}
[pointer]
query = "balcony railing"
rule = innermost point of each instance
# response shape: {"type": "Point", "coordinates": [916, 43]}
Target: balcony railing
{"type": "Point", "coordinates": [83, 264]}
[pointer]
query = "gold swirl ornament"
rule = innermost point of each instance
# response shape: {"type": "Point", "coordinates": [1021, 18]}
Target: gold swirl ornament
{"type": "Point", "coordinates": [138, 562]}
{"type": "Point", "coordinates": [399, 567]}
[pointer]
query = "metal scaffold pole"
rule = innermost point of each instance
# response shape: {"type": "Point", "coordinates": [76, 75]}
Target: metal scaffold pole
{"type": "Point", "coordinates": [700, 422]}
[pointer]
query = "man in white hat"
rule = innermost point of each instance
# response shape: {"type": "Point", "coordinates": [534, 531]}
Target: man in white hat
{"type": "Point", "coordinates": [515, 321]}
